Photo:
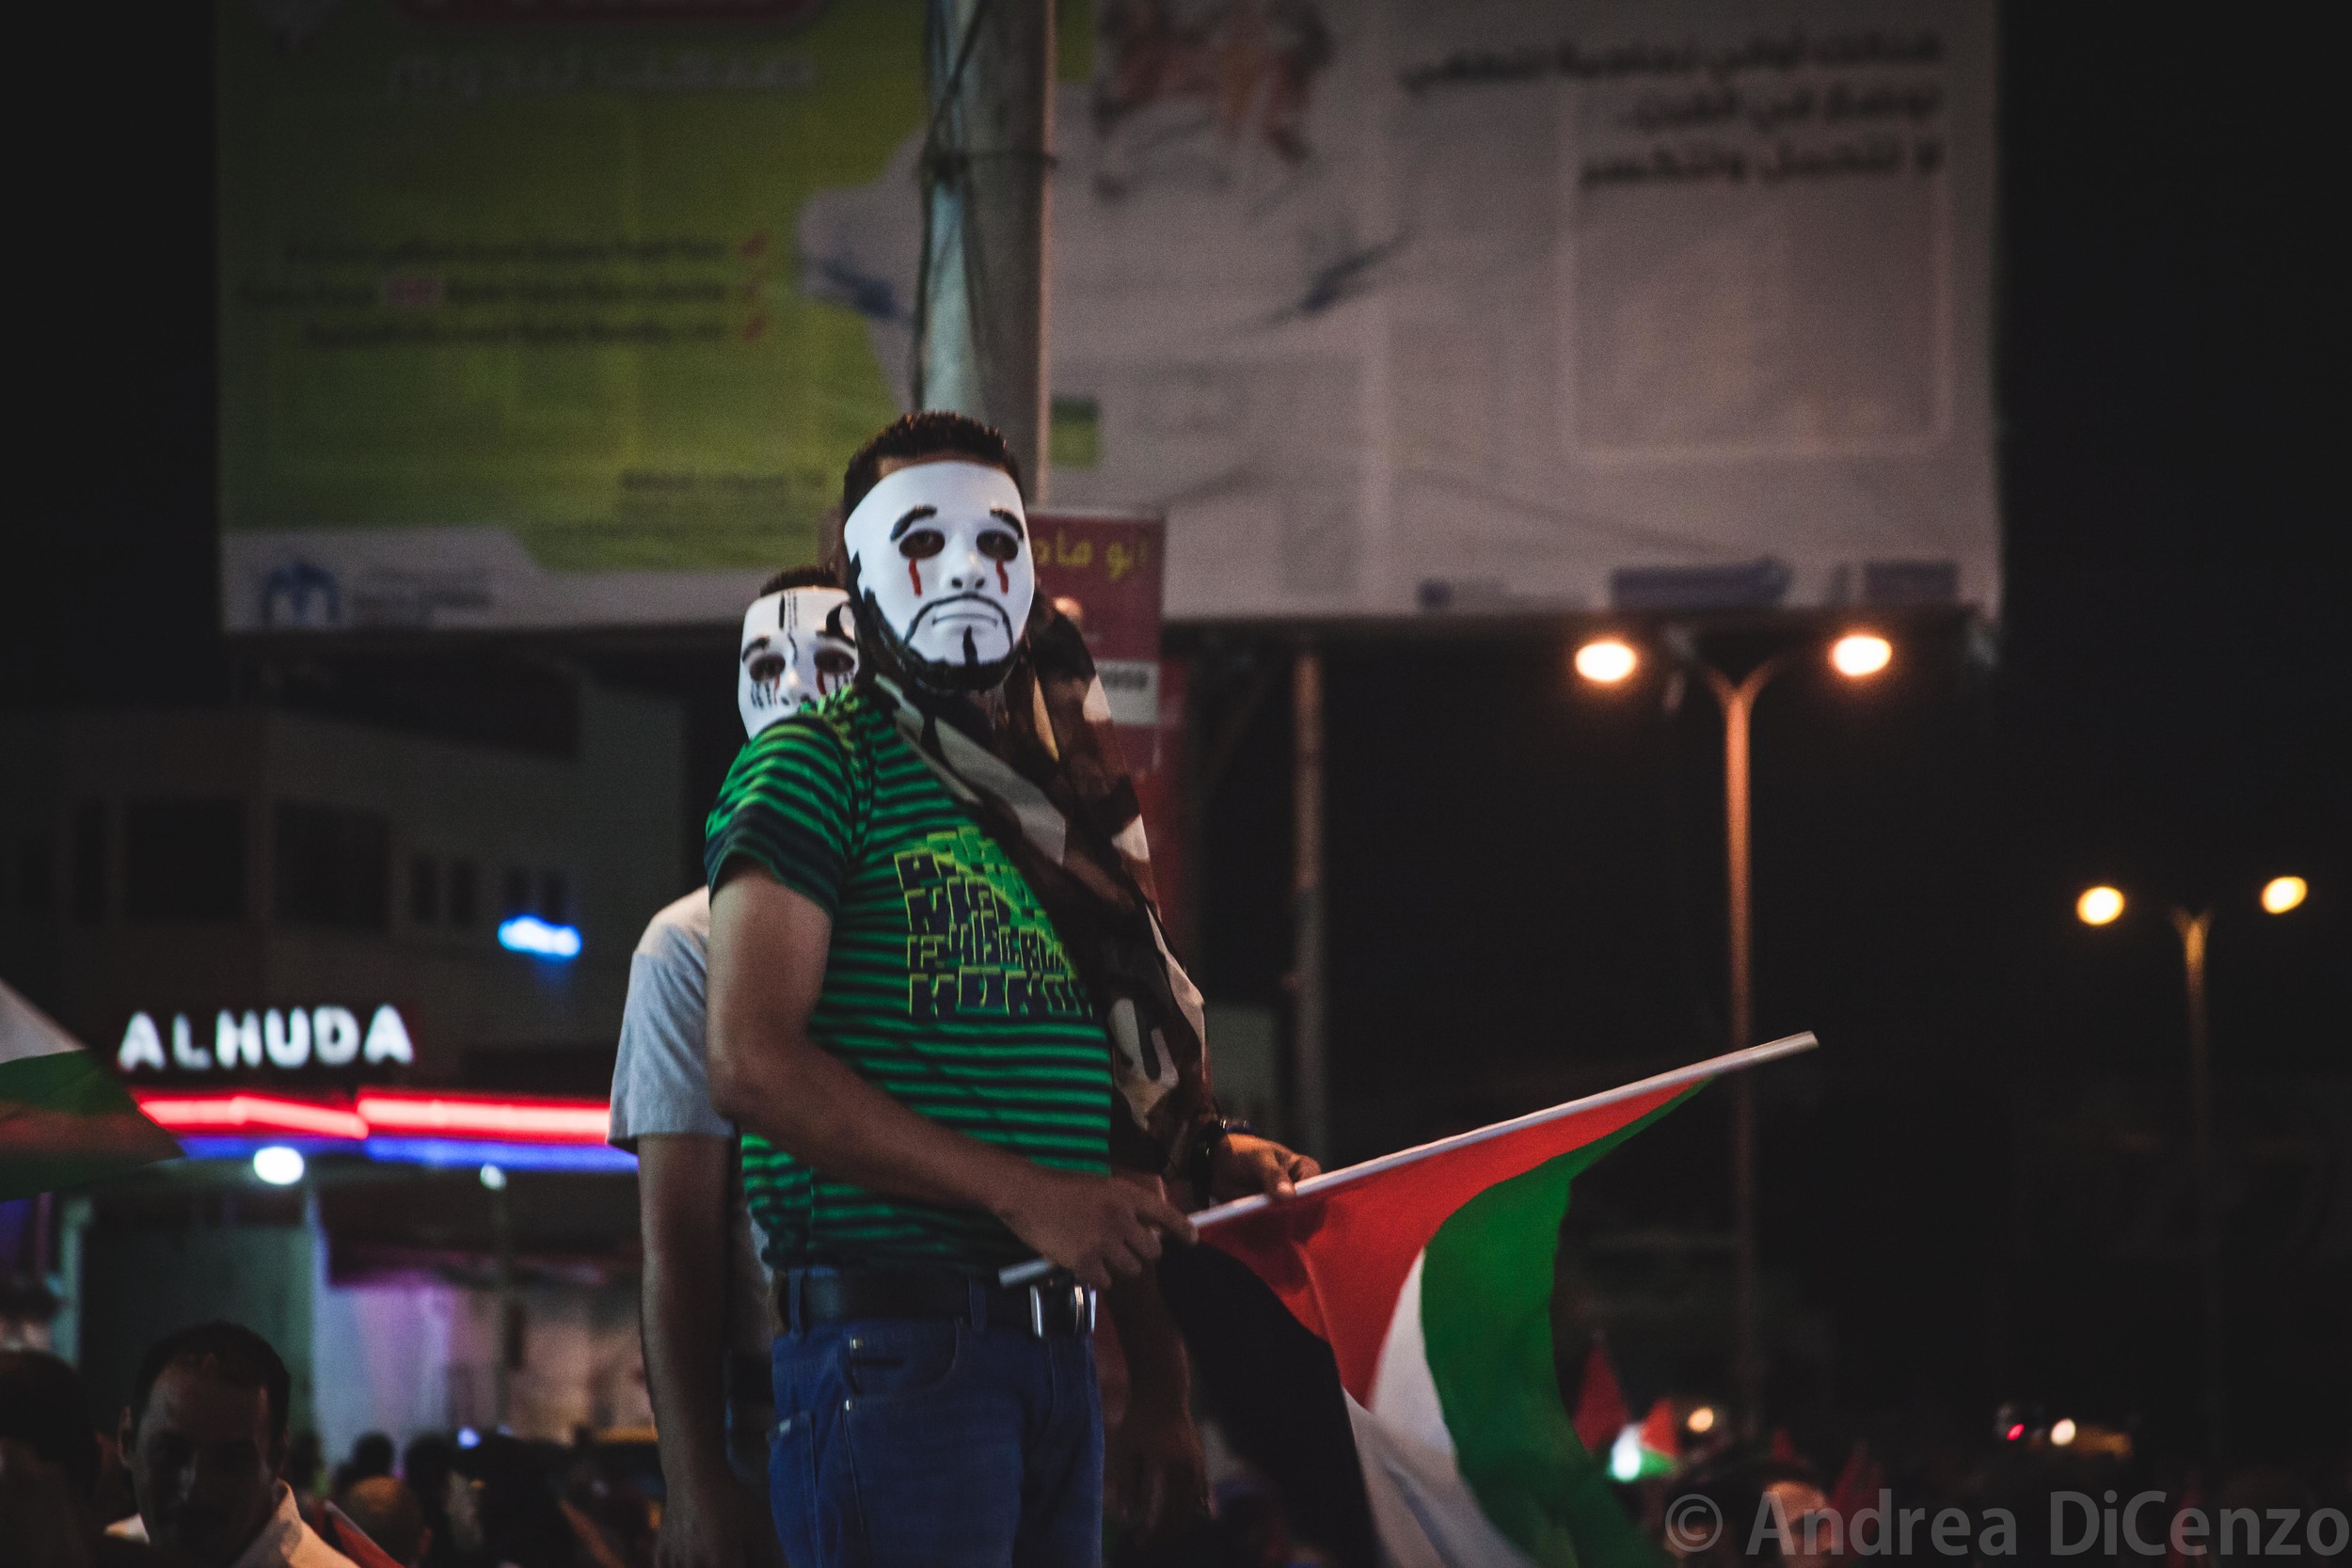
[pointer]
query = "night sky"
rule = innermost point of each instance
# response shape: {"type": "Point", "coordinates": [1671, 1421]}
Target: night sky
{"type": "Point", "coordinates": [1526, 878]}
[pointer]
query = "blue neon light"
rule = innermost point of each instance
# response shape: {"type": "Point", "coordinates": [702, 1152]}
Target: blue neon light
{"type": "Point", "coordinates": [472, 1154]}
{"type": "Point", "coordinates": [244, 1146]}
{"type": "Point", "coordinates": [441, 1153]}
{"type": "Point", "coordinates": [528, 933]}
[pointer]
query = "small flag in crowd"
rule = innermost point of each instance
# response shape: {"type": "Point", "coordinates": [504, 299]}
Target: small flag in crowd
{"type": "Point", "coordinates": [63, 1118]}
{"type": "Point", "coordinates": [1600, 1412]}
{"type": "Point", "coordinates": [1429, 1274]}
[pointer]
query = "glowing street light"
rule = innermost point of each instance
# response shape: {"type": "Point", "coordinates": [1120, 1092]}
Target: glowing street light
{"type": "Point", "coordinates": [2281, 894]}
{"type": "Point", "coordinates": [277, 1164]}
{"type": "Point", "coordinates": [1606, 661]}
{"type": "Point", "coordinates": [2099, 906]}
{"type": "Point", "coordinates": [1859, 654]}
{"type": "Point", "coordinates": [2062, 1430]}
{"type": "Point", "coordinates": [2103, 906]}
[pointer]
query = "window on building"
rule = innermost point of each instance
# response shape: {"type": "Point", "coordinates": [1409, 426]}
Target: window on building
{"type": "Point", "coordinates": [37, 875]}
{"type": "Point", "coordinates": [89, 861]}
{"type": "Point", "coordinates": [424, 890]}
{"type": "Point", "coordinates": [334, 867]}
{"type": "Point", "coordinates": [461, 891]}
{"type": "Point", "coordinates": [184, 858]}
{"type": "Point", "coordinates": [555, 897]}
{"type": "Point", "coordinates": [514, 892]}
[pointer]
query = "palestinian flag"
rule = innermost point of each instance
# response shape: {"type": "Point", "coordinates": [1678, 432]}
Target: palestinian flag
{"type": "Point", "coordinates": [1430, 1276]}
{"type": "Point", "coordinates": [64, 1119]}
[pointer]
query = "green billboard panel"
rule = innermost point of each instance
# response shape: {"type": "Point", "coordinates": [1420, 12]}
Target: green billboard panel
{"type": "Point", "coordinates": [517, 324]}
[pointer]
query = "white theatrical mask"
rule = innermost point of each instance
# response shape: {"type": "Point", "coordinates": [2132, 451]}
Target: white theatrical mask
{"type": "Point", "coordinates": [941, 551]}
{"type": "Point", "coordinates": [799, 644]}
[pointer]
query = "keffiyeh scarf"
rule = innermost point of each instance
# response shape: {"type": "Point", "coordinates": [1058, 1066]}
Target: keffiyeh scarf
{"type": "Point", "coordinates": [1042, 772]}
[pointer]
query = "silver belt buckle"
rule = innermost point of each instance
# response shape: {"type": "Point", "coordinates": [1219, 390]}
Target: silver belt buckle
{"type": "Point", "coordinates": [1082, 1308]}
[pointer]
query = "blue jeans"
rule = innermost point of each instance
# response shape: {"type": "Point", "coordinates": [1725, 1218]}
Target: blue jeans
{"type": "Point", "coordinates": [930, 1443]}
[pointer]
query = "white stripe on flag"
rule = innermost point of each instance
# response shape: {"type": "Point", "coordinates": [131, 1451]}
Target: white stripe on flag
{"type": "Point", "coordinates": [26, 1032]}
{"type": "Point", "coordinates": [1424, 1512]}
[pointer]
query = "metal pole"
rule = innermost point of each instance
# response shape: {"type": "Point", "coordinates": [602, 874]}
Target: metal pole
{"type": "Point", "coordinates": [1747, 1358]}
{"type": "Point", "coordinates": [502, 1358]}
{"type": "Point", "coordinates": [982, 350]}
{"type": "Point", "coordinates": [1312, 1123]}
{"type": "Point", "coordinates": [1746, 1371]}
{"type": "Point", "coordinates": [2193, 930]}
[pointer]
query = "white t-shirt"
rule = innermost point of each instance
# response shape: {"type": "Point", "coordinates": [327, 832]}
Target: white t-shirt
{"type": "Point", "coordinates": [661, 1077]}
{"type": "Point", "coordinates": [661, 1082]}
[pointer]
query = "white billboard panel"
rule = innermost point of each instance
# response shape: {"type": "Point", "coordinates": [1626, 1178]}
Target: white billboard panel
{"type": "Point", "coordinates": [1408, 306]}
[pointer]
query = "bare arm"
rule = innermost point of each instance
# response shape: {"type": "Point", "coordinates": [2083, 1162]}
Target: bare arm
{"type": "Point", "coordinates": [682, 1195]}
{"type": "Point", "coordinates": [767, 951]}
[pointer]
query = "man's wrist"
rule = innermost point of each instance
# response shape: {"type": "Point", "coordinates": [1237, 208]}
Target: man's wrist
{"type": "Point", "coordinates": [1208, 1136]}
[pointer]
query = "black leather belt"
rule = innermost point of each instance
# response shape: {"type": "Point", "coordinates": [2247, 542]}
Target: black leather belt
{"type": "Point", "coordinates": [807, 1298]}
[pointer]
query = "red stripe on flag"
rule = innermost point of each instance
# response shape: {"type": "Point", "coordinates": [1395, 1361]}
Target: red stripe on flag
{"type": "Point", "coordinates": [1338, 1258]}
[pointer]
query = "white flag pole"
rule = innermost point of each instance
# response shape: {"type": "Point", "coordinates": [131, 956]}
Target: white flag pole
{"type": "Point", "coordinates": [1714, 1067]}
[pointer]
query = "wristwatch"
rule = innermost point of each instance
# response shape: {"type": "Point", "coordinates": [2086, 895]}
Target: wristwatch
{"type": "Point", "coordinates": [1205, 1137]}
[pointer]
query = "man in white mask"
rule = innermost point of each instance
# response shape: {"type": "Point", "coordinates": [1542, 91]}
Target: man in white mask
{"type": "Point", "coordinates": [940, 561]}
{"type": "Point", "coordinates": [705, 1304]}
{"type": "Point", "coordinates": [934, 961]}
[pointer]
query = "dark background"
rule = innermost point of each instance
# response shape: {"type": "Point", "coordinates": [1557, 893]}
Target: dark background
{"type": "Point", "coordinates": [1965, 1191]}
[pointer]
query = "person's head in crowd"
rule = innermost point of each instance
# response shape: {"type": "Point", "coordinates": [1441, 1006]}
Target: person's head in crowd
{"type": "Point", "coordinates": [939, 563]}
{"type": "Point", "coordinates": [389, 1511]}
{"type": "Point", "coordinates": [1791, 1492]}
{"type": "Point", "coordinates": [799, 646]}
{"type": "Point", "coordinates": [42, 1406]}
{"type": "Point", "coordinates": [426, 1463]}
{"type": "Point", "coordinates": [520, 1516]}
{"type": "Point", "coordinates": [1710, 1515]}
{"type": "Point", "coordinates": [205, 1439]}
{"type": "Point", "coordinates": [371, 1455]}
{"type": "Point", "coordinates": [51, 1463]}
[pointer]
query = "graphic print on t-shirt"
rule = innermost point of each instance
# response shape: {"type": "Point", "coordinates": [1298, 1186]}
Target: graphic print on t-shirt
{"type": "Point", "coordinates": [978, 942]}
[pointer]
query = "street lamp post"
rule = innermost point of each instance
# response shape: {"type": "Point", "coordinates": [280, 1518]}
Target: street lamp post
{"type": "Point", "coordinates": [2192, 929]}
{"type": "Point", "coordinates": [1737, 701]}
{"type": "Point", "coordinates": [2103, 905]}
{"type": "Point", "coordinates": [1855, 656]}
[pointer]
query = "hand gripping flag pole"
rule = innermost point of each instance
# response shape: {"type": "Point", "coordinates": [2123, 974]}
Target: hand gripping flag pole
{"type": "Point", "coordinates": [1526, 1132]}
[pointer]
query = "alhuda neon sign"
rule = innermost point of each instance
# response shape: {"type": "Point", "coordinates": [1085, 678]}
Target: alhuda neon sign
{"type": "Point", "coordinates": [287, 1040]}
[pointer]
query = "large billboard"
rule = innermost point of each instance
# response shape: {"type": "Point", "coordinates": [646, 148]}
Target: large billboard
{"type": "Point", "coordinates": [1389, 307]}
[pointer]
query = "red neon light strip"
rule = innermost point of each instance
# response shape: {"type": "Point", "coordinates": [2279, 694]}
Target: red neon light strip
{"type": "Point", "coordinates": [250, 1113]}
{"type": "Point", "coordinates": [552, 1121]}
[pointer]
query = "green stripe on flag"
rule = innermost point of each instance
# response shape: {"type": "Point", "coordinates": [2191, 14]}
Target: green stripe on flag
{"type": "Point", "coordinates": [64, 1121]}
{"type": "Point", "coordinates": [1486, 1289]}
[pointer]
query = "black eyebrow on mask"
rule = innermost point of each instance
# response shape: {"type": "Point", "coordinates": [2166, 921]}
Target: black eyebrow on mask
{"type": "Point", "coordinates": [1004, 515]}
{"type": "Point", "coordinates": [913, 516]}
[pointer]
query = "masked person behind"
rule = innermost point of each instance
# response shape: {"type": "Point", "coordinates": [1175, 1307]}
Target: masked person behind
{"type": "Point", "coordinates": [705, 1308]}
{"type": "Point", "coordinates": [933, 958]}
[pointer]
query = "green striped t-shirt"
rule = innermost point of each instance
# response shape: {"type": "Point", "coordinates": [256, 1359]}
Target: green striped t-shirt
{"type": "Point", "coordinates": [947, 986]}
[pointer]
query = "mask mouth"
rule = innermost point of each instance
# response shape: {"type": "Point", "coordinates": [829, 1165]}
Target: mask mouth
{"type": "Point", "coordinates": [963, 610]}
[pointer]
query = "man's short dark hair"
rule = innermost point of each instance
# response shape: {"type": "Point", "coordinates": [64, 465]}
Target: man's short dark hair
{"type": "Point", "coordinates": [798, 576]}
{"type": "Point", "coordinates": [230, 1352]}
{"type": "Point", "coordinates": [933, 433]}
{"type": "Point", "coordinates": [41, 1406]}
